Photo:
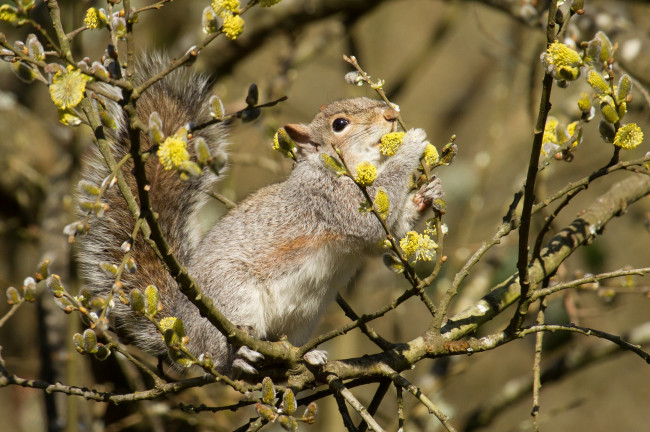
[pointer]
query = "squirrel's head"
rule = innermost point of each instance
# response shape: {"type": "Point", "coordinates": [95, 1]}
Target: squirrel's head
{"type": "Point", "coordinates": [354, 126]}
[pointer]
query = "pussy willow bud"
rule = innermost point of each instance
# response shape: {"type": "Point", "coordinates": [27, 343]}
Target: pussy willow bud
{"type": "Point", "coordinates": [64, 304]}
{"type": "Point", "coordinates": [131, 266]}
{"type": "Point", "coordinates": [152, 300]}
{"type": "Point", "coordinates": [11, 15]}
{"type": "Point", "coordinates": [189, 169]}
{"type": "Point", "coordinates": [577, 6]}
{"type": "Point", "coordinates": [268, 391]}
{"type": "Point", "coordinates": [13, 296]}
{"type": "Point", "coordinates": [90, 341]}
{"type": "Point", "coordinates": [253, 95]}
{"type": "Point", "coordinates": [393, 263]}
{"type": "Point", "coordinates": [109, 269]}
{"type": "Point", "coordinates": [382, 202]}
{"type": "Point", "coordinates": [29, 289]}
{"type": "Point", "coordinates": [606, 131]}
{"type": "Point", "coordinates": [354, 78]}
{"type": "Point", "coordinates": [217, 110]}
{"type": "Point", "coordinates": [36, 50]}
{"type": "Point", "coordinates": [217, 162]}
{"type": "Point", "coordinates": [88, 188]}
{"type": "Point", "coordinates": [598, 83]}
{"type": "Point", "coordinates": [284, 143]}
{"type": "Point", "coordinates": [448, 153]}
{"type": "Point", "coordinates": [624, 88]}
{"type": "Point", "coordinates": [55, 285]}
{"type": "Point", "coordinates": [43, 270]}
{"type": "Point", "coordinates": [289, 404]}
{"type": "Point", "coordinates": [202, 151]}
{"type": "Point", "coordinates": [332, 164]}
{"type": "Point", "coordinates": [107, 120]}
{"type": "Point", "coordinates": [607, 50]}
{"type": "Point", "coordinates": [102, 352]}
{"type": "Point", "coordinates": [251, 114]}
{"type": "Point", "coordinates": [23, 71]}
{"type": "Point", "coordinates": [99, 209]}
{"type": "Point", "coordinates": [137, 301]}
{"type": "Point", "coordinates": [78, 341]}
{"type": "Point", "coordinates": [209, 20]}
{"type": "Point", "coordinates": [155, 128]}
{"type": "Point", "coordinates": [584, 102]}
{"type": "Point", "coordinates": [288, 423]}
{"type": "Point", "coordinates": [266, 412]}
{"type": "Point", "coordinates": [608, 110]}
{"type": "Point", "coordinates": [207, 360]}
{"type": "Point", "coordinates": [126, 246]}
{"type": "Point", "coordinates": [99, 70]}
{"type": "Point", "coordinates": [310, 414]}
{"type": "Point", "coordinates": [118, 25]}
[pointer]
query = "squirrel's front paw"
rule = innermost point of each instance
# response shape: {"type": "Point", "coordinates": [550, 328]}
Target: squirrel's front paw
{"type": "Point", "coordinates": [429, 192]}
{"type": "Point", "coordinates": [415, 140]}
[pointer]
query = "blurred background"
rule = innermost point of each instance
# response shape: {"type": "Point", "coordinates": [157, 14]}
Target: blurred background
{"type": "Point", "coordinates": [454, 67]}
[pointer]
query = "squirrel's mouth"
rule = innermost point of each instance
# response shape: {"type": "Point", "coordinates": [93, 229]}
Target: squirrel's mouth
{"type": "Point", "coordinates": [393, 128]}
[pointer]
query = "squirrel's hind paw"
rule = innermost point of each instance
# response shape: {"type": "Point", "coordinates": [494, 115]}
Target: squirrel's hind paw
{"type": "Point", "coordinates": [316, 357]}
{"type": "Point", "coordinates": [244, 360]}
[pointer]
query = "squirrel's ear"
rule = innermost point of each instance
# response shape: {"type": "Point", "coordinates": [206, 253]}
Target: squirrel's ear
{"type": "Point", "coordinates": [302, 136]}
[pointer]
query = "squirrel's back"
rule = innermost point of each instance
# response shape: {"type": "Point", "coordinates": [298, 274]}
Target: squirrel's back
{"type": "Point", "coordinates": [179, 98]}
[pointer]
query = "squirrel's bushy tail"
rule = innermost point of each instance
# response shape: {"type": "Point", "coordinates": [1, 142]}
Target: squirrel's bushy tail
{"type": "Point", "coordinates": [180, 98]}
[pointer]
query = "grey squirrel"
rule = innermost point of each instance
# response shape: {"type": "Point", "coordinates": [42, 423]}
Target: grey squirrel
{"type": "Point", "coordinates": [274, 262]}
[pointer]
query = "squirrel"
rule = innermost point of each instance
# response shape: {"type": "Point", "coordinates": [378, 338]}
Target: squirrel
{"type": "Point", "coordinates": [275, 261]}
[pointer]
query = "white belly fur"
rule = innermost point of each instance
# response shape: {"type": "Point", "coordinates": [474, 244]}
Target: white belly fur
{"type": "Point", "coordinates": [293, 304]}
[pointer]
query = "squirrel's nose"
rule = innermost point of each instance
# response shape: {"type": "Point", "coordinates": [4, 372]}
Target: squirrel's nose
{"type": "Point", "coordinates": [390, 115]}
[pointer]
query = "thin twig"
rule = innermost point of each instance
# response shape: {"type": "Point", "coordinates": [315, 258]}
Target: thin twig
{"type": "Point", "coordinates": [7, 378]}
{"type": "Point", "coordinates": [618, 340]}
{"type": "Point", "coordinates": [375, 86]}
{"type": "Point", "coordinates": [424, 400]}
{"type": "Point", "coordinates": [361, 320]}
{"type": "Point", "coordinates": [375, 402]}
{"type": "Point", "coordinates": [529, 189]}
{"type": "Point", "coordinates": [232, 407]}
{"type": "Point", "coordinates": [64, 43]}
{"type": "Point", "coordinates": [367, 330]}
{"type": "Point", "coordinates": [589, 279]}
{"type": "Point", "coordinates": [336, 385]}
{"type": "Point", "coordinates": [345, 414]}
{"type": "Point", "coordinates": [400, 408]}
{"type": "Point", "coordinates": [156, 6]}
{"type": "Point", "coordinates": [537, 383]}
{"type": "Point", "coordinates": [130, 43]}
{"type": "Point", "coordinates": [11, 311]}
{"type": "Point", "coordinates": [221, 198]}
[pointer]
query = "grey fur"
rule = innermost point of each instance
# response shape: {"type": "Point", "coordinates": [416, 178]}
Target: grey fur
{"type": "Point", "coordinates": [274, 262]}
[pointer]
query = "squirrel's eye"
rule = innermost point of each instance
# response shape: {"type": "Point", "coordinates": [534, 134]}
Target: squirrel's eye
{"type": "Point", "coordinates": [339, 124]}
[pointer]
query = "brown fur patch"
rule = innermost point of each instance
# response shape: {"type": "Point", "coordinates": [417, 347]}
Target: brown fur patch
{"type": "Point", "coordinates": [294, 250]}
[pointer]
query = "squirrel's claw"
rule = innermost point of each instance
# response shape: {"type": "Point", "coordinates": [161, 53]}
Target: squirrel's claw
{"type": "Point", "coordinates": [249, 354]}
{"type": "Point", "coordinates": [240, 366]}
